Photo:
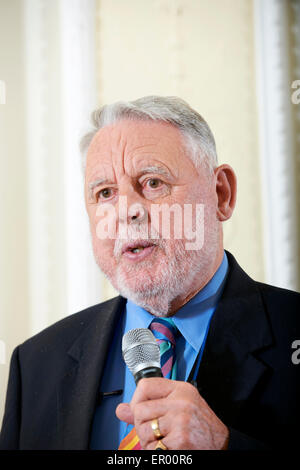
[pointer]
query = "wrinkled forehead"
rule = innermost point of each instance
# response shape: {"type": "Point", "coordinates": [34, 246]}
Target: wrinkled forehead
{"type": "Point", "coordinates": [129, 138]}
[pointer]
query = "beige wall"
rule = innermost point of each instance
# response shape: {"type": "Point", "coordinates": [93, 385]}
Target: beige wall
{"type": "Point", "coordinates": [203, 52]}
{"type": "Point", "coordinates": [294, 40]}
{"type": "Point", "coordinates": [14, 309]}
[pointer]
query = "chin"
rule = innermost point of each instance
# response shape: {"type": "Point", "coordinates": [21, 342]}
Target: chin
{"type": "Point", "coordinates": [152, 298]}
{"type": "Point", "coordinates": [139, 282]}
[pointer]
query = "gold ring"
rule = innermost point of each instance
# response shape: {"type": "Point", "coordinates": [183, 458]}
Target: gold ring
{"type": "Point", "coordinates": [160, 445]}
{"type": "Point", "coordinates": [155, 428]}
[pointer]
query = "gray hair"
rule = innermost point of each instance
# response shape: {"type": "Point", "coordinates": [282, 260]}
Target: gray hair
{"type": "Point", "coordinates": [198, 137]}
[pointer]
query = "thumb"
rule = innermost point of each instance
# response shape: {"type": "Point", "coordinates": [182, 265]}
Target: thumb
{"type": "Point", "coordinates": [124, 413]}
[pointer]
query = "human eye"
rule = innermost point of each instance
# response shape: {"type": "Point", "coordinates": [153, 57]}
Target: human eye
{"type": "Point", "coordinates": [153, 183]}
{"type": "Point", "coordinates": [154, 187]}
{"type": "Point", "coordinates": [104, 194]}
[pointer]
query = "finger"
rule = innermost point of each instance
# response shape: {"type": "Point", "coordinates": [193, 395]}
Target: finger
{"type": "Point", "coordinates": [124, 413]}
{"type": "Point", "coordinates": [153, 444]}
{"type": "Point", "coordinates": [146, 433]}
{"type": "Point", "coordinates": [152, 388]}
{"type": "Point", "coordinates": [148, 410]}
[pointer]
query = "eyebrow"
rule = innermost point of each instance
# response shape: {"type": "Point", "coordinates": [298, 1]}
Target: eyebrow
{"type": "Point", "coordinates": [97, 182]}
{"type": "Point", "coordinates": [149, 169]}
{"type": "Point", "coordinates": [155, 169]}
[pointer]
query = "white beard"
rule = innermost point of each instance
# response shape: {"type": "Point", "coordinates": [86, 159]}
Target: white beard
{"type": "Point", "coordinates": [158, 296]}
{"type": "Point", "coordinates": [177, 273]}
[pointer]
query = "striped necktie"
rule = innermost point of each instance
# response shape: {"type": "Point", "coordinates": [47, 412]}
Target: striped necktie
{"type": "Point", "coordinates": [165, 333]}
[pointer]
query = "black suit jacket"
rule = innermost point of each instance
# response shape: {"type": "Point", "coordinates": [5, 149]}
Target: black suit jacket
{"type": "Point", "coordinates": [246, 375]}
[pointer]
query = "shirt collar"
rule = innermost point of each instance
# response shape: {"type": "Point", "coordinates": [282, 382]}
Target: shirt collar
{"type": "Point", "coordinates": [193, 317]}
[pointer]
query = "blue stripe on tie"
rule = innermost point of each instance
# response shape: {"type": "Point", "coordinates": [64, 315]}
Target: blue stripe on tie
{"type": "Point", "coordinates": [166, 356]}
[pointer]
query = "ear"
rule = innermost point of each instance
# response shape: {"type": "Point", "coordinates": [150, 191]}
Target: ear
{"type": "Point", "coordinates": [226, 187]}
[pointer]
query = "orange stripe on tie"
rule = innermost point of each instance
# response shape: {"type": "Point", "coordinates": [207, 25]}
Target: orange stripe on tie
{"type": "Point", "coordinates": [129, 442]}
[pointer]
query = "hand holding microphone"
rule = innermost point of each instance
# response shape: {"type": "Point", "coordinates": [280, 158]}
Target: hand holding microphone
{"type": "Point", "coordinates": [184, 419]}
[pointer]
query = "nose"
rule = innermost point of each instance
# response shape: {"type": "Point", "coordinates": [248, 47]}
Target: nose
{"type": "Point", "coordinates": [137, 214]}
{"type": "Point", "coordinates": [132, 207]}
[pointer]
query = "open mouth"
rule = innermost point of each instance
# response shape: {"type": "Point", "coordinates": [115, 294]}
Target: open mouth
{"type": "Point", "coordinates": [138, 249]}
{"type": "Point", "coordinates": [136, 246]}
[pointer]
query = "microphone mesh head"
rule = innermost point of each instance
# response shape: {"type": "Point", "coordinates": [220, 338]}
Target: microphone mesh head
{"type": "Point", "coordinates": [140, 350]}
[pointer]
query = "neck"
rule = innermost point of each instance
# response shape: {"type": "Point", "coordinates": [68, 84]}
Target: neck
{"type": "Point", "coordinates": [182, 300]}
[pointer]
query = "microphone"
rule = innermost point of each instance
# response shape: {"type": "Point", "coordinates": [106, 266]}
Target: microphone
{"type": "Point", "coordinates": [141, 354]}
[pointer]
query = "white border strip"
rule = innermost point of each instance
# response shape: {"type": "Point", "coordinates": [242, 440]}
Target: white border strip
{"type": "Point", "coordinates": [276, 149]}
{"type": "Point", "coordinates": [78, 20]}
{"type": "Point", "coordinates": [37, 84]}
{"type": "Point", "coordinates": [2, 92]}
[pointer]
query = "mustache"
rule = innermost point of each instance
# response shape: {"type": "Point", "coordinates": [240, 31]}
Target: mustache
{"type": "Point", "coordinates": [140, 233]}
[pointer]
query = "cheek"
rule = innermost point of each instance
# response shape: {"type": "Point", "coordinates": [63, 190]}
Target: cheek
{"type": "Point", "coordinates": [103, 248]}
{"type": "Point", "coordinates": [173, 248]}
{"type": "Point", "coordinates": [104, 255]}
{"type": "Point", "coordinates": [102, 227]}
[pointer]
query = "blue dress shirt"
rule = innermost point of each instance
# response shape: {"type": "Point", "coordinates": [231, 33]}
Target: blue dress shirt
{"type": "Point", "coordinates": [192, 320]}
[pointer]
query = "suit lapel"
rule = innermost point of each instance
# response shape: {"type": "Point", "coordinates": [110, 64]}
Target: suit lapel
{"type": "Point", "coordinates": [229, 372]}
{"type": "Point", "coordinates": [231, 368]}
{"type": "Point", "coordinates": [77, 392]}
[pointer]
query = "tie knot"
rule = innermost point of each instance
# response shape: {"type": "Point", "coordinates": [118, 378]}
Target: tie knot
{"type": "Point", "coordinates": [164, 329]}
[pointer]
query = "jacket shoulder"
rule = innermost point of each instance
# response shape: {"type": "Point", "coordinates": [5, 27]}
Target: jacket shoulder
{"type": "Point", "coordinates": [279, 298]}
{"type": "Point", "coordinates": [283, 307]}
{"type": "Point", "coordinates": [62, 333]}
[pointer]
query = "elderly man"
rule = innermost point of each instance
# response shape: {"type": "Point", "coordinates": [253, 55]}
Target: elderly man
{"type": "Point", "coordinates": [156, 200]}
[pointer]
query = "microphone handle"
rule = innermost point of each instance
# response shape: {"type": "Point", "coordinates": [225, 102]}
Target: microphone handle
{"type": "Point", "coordinates": [147, 372]}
